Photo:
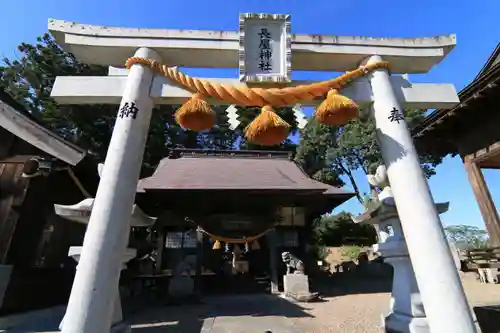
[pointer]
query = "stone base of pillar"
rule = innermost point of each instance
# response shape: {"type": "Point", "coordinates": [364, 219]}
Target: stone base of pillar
{"type": "Point", "coordinates": [274, 288]}
{"type": "Point", "coordinates": [118, 326]}
{"type": "Point", "coordinates": [117, 314]}
{"type": "Point", "coordinates": [275, 291]}
{"type": "Point", "coordinates": [403, 323]}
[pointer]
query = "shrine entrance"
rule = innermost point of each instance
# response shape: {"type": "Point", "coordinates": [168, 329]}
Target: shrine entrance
{"type": "Point", "coordinates": [237, 270]}
{"type": "Point", "coordinates": [228, 231]}
{"type": "Point", "coordinates": [264, 49]}
{"type": "Point", "coordinates": [225, 267]}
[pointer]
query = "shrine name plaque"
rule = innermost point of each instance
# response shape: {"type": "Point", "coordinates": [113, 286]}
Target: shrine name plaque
{"type": "Point", "coordinates": [265, 48]}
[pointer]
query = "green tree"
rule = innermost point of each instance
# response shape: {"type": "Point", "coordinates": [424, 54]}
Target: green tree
{"type": "Point", "coordinates": [350, 252]}
{"type": "Point", "coordinates": [467, 236]}
{"type": "Point", "coordinates": [339, 229]}
{"type": "Point", "coordinates": [357, 145]}
{"type": "Point", "coordinates": [329, 152]}
{"type": "Point", "coordinates": [29, 81]}
{"type": "Point", "coordinates": [312, 153]}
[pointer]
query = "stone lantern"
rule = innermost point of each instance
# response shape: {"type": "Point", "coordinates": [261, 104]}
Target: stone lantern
{"type": "Point", "coordinates": [80, 213]}
{"type": "Point", "coordinates": [407, 312]}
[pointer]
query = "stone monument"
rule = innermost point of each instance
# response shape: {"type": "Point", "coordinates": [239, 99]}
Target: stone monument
{"type": "Point", "coordinates": [407, 314]}
{"type": "Point", "coordinates": [182, 285]}
{"type": "Point", "coordinates": [295, 282]}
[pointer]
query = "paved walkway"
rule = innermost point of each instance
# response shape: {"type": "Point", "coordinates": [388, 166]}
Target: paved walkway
{"type": "Point", "coordinates": [234, 314]}
{"type": "Point", "coordinates": [257, 313]}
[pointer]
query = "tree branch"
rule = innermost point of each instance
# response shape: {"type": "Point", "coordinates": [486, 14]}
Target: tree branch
{"type": "Point", "coordinates": [348, 173]}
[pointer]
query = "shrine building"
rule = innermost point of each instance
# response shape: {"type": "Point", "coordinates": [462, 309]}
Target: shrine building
{"type": "Point", "coordinates": [210, 202]}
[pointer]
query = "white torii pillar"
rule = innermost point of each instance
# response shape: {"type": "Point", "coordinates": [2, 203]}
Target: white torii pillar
{"type": "Point", "coordinates": [92, 298]}
{"type": "Point", "coordinates": [437, 278]}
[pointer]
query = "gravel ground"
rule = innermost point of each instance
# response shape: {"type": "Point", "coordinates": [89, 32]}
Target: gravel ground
{"type": "Point", "coordinates": [348, 312]}
{"type": "Point", "coordinates": [350, 306]}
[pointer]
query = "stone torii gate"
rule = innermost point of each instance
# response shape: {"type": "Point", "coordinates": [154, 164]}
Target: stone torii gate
{"type": "Point", "coordinates": [91, 302]}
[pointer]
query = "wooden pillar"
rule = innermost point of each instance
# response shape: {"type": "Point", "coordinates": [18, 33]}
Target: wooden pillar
{"type": "Point", "coordinates": [160, 245]}
{"type": "Point", "coordinates": [485, 202]}
{"type": "Point", "coordinates": [271, 240]}
{"type": "Point", "coordinates": [199, 262]}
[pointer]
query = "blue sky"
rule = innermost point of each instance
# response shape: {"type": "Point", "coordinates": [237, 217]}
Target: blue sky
{"type": "Point", "coordinates": [472, 22]}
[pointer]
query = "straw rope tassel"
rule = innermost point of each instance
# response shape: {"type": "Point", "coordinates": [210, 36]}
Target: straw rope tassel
{"type": "Point", "coordinates": [267, 129]}
{"type": "Point", "coordinates": [216, 246]}
{"type": "Point", "coordinates": [196, 114]}
{"type": "Point", "coordinates": [336, 109]}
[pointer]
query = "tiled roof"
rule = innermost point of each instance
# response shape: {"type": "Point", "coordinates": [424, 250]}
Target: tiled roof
{"type": "Point", "coordinates": [233, 170]}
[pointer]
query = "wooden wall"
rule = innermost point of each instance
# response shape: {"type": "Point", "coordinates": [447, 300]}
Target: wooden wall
{"type": "Point", "coordinates": [33, 240]}
{"type": "Point", "coordinates": [13, 189]}
{"type": "Point", "coordinates": [38, 240]}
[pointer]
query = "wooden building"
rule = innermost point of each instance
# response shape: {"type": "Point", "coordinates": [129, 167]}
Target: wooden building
{"type": "Point", "coordinates": [210, 202]}
{"type": "Point", "coordinates": [471, 130]}
{"type": "Point", "coordinates": [37, 169]}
